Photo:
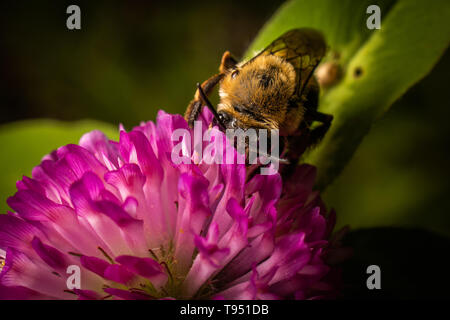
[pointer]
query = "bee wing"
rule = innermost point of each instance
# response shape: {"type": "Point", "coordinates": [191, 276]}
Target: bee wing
{"type": "Point", "coordinates": [303, 48]}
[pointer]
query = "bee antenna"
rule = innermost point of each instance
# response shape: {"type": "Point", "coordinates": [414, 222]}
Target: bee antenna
{"type": "Point", "coordinates": [210, 106]}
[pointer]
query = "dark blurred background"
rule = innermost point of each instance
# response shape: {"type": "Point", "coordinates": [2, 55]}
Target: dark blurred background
{"type": "Point", "coordinates": [128, 60]}
{"type": "Point", "coordinates": [131, 59]}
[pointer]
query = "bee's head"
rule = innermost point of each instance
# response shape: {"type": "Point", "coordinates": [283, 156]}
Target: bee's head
{"type": "Point", "coordinates": [256, 94]}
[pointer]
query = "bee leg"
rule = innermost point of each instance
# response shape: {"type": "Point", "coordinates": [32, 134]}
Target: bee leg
{"type": "Point", "coordinates": [303, 139]}
{"type": "Point", "coordinates": [195, 106]}
{"type": "Point", "coordinates": [316, 134]}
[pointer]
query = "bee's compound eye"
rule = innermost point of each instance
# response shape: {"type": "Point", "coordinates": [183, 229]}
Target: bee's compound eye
{"type": "Point", "coordinates": [224, 117]}
{"type": "Point", "coordinates": [234, 74]}
{"type": "Point", "coordinates": [227, 120]}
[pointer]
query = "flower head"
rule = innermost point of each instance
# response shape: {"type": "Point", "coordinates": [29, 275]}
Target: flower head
{"type": "Point", "coordinates": [139, 226]}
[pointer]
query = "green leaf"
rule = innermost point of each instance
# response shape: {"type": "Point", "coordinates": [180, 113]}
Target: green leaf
{"type": "Point", "coordinates": [399, 175]}
{"type": "Point", "coordinates": [24, 143]}
{"type": "Point", "coordinates": [413, 36]}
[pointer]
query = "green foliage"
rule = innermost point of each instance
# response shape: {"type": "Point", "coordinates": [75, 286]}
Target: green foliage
{"type": "Point", "coordinates": [23, 145]}
{"type": "Point", "coordinates": [399, 175]}
{"type": "Point", "coordinates": [413, 36]}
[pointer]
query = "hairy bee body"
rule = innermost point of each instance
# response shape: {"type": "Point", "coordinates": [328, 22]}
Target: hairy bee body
{"type": "Point", "coordinates": [276, 89]}
{"type": "Point", "coordinates": [258, 94]}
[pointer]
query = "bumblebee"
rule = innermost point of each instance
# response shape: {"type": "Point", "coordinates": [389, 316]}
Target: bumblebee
{"type": "Point", "coordinates": [276, 89]}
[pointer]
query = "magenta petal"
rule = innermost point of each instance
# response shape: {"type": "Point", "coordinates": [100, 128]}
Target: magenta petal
{"type": "Point", "coordinates": [313, 224]}
{"type": "Point", "coordinates": [94, 264]}
{"type": "Point", "coordinates": [234, 209]}
{"type": "Point", "coordinates": [80, 160]}
{"type": "Point", "coordinates": [20, 270]}
{"type": "Point", "coordinates": [210, 252]}
{"type": "Point", "coordinates": [57, 176]}
{"type": "Point", "coordinates": [118, 274]}
{"type": "Point", "coordinates": [193, 212]}
{"type": "Point", "coordinates": [291, 254]}
{"type": "Point", "coordinates": [30, 184]}
{"type": "Point", "coordinates": [116, 213]}
{"type": "Point", "coordinates": [166, 125]}
{"type": "Point", "coordinates": [135, 148]}
{"type": "Point", "coordinates": [209, 260]}
{"type": "Point", "coordinates": [17, 233]}
{"type": "Point", "coordinates": [103, 149]}
{"type": "Point", "coordinates": [145, 267]}
{"type": "Point", "coordinates": [58, 220]}
{"type": "Point", "coordinates": [129, 180]}
{"type": "Point", "coordinates": [86, 190]}
{"type": "Point", "coordinates": [33, 206]}
{"type": "Point", "coordinates": [53, 257]}
{"type": "Point", "coordinates": [258, 250]}
{"type": "Point", "coordinates": [234, 176]}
